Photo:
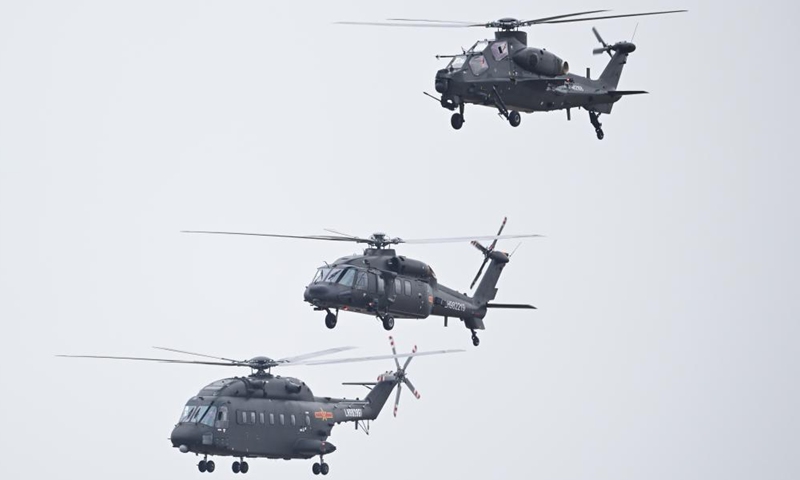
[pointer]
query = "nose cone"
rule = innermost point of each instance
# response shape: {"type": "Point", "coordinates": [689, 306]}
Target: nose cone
{"type": "Point", "coordinates": [316, 293]}
{"type": "Point", "coordinates": [442, 83]}
{"type": "Point", "coordinates": [184, 436]}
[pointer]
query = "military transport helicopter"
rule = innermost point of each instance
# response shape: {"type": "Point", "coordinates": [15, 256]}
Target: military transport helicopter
{"type": "Point", "coordinates": [507, 74]}
{"type": "Point", "coordinates": [269, 416]}
{"type": "Point", "coordinates": [389, 286]}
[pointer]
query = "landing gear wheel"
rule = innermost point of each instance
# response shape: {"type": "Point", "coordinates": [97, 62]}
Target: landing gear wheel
{"type": "Point", "coordinates": [210, 466]}
{"type": "Point", "coordinates": [202, 466]}
{"type": "Point", "coordinates": [600, 133]}
{"type": "Point", "coordinates": [316, 468]}
{"type": "Point", "coordinates": [245, 467]}
{"type": "Point", "coordinates": [457, 120]}
{"type": "Point", "coordinates": [514, 118]}
{"type": "Point", "coordinates": [324, 468]}
{"type": "Point", "coordinates": [330, 320]}
{"type": "Point", "coordinates": [388, 322]}
{"type": "Point", "coordinates": [475, 340]}
{"type": "Point", "coordinates": [236, 467]}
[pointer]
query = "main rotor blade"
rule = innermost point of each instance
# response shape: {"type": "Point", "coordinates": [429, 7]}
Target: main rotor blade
{"type": "Point", "coordinates": [161, 360]}
{"type": "Point", "coordinates": [335, 232]}
{"type": "Point", "coordinates": [545, 19]}
{"type": "Point", "coordinates": [425, 20]}
{"type": "Point", "coordinates": [613, 16]}
{"type": "Point", "coordinates": [306, 356]}
{"type": "Point", "coordinates": [196, 354]}
{"type": "Point", "coordinates": [420, 24]}
{"type": "Point", "coordinates": [465, 239]}
{"type": "Point", "coordinates": [330, 238]}
{"type": "Point", "coordinates": [369, 359]}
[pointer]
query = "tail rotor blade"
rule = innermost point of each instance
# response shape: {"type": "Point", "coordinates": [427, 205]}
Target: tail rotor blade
{"type": "Point", "coordinates": [394, 352]}
{"type": "Point", "coordinates": [502, 226]}
{"type": "Point", "coordinates": [411, 387]}
{"type": "Point", "coordinates": [397, 398]}
{"type": "Point", "coordinates": [480, 271]}
{"type": "Point", "coordinates": [408, 360]}
{"type": "Point", "coordinates": [598, 37]}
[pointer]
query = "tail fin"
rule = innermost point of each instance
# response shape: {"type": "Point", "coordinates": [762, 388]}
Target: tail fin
{"type": "Point", "coordinates": [613, 71]}
{"type": "Point", "coordinates": [487, 289]}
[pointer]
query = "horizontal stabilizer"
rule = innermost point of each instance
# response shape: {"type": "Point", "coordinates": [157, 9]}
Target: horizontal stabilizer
{"type": "Point", "coordinates": [626, 92]}
{"type": "Point", "coordinates": [511, 305]}
{"type": "Point", "coordinates": [366, 384]}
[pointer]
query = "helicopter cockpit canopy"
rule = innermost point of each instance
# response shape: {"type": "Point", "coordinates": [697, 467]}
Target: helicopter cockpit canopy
{"type": "Point", "coordinates": [202, 414]}
{"type": "Point", "coordinates": [457, 63]}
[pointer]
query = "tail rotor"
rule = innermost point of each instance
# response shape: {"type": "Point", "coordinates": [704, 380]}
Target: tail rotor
{"type": "Point", "coordinates": [401, 377]}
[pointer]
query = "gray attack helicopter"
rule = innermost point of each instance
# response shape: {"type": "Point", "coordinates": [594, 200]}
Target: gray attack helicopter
{"type": "Point", "coordinates": [388, 286]}
{"type": "Point", "coordinates": [269, 416]}
{"type": "Point", "coordinates": [507, 74]}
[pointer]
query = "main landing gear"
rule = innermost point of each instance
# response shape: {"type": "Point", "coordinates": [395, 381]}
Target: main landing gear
{"type": "Point", "coordinates": [475, 340]}
{"type": "Point", "coordinates": [331, 318]}
{"type": "Point", "coordinates": [387, 321]}
{"type": "Point", "coordinates": [320, 467]}
{"type": "Point", "coordinates": [598, 127]}
{"type": "Point", "coordinates": [240, 467]}
{"type": "Point", "coordinates": [206, 465]}
{"type": "Point", "coordinates": [512, 116]}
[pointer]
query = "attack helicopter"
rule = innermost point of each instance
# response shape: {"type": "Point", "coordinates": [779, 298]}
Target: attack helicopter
{"type": "Point", "coordinates": [269, 416]}
{"type": "Point", "coordinates": [388, 286]}
{"type": "Point", "coordinates": [508, 75]}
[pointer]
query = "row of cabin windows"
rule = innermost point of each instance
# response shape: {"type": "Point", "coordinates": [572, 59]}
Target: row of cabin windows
{"type": "Point", "coordinates": [402, 287]}
{"type": "Point", "coordinates": [244, 417]}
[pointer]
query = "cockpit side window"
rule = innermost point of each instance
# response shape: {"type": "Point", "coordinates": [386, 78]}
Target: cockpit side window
{"type": "Point", "coordinates": [209, 417]}
{"type": "Point", "coordinates": [499, 50]}
{"type": "Point", "coordinates": [478, 64]}
{"type": "Point", "coordinates": [347, 277]}
{"type": "Point", "coordinates": [479, 46]}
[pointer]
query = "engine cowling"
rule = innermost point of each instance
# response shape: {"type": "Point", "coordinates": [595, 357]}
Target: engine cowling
{"type": "Point", "coordinates": [541, 61]}
{"type": "Point", "coordinates": [407, 266]}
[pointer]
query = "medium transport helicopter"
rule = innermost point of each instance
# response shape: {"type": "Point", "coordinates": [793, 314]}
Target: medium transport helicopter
{"type": "Point", "coordinates": [269, 416]}
{"type": "Point", "coordinates": [389, 286]}
{"type": "Point", "coordinates": [507, 74]}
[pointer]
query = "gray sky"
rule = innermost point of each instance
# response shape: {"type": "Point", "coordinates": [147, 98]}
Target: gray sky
{"type": "Point", "coordinates": [665, 345]}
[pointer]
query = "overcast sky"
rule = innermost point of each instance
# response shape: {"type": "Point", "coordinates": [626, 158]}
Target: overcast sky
{"type": "Point", "coordinates": [666, 341]}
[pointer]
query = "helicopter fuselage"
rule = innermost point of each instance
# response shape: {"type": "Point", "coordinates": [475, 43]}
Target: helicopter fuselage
{"type": "Point", "coordinates": [268, 416]}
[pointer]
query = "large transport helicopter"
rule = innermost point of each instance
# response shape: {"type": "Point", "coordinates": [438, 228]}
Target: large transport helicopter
{"type": "Point", "coordinates": [507, 74]}
{"type": "Point", "coordinates": [269, 416]}
{"type": "Point", "coordinates": [388, 286]}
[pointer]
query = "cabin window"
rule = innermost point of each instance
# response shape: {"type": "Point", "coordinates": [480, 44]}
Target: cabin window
{"type": "Point", "coordinates": [261, 418]}
{"type": "Point", "coordinates": [241, 417]}
{"type": "Point", "coordinates": [308, 421]}
{"type": "Point", "coordinates": [294, 420]}
{"type": "Point", "coordinates": [398, 286]}
{"type": "Point", "coordinates": [361, 281]}
{"type": "Point", "coordinates": [283, 419]}
{"type": "Point", "coordinates": [407, 287]}
{"type": "Point", "coordinates": [380, 285]}
{"type": "Point", "coordinates": [272, 419]}
{"type": "Point", "coordinates": [252, 418]}
{"type": "Point", "coordinates": [478, 64]}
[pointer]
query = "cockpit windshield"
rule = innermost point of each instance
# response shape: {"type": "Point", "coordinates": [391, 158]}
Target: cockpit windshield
{"type": "Point", "coordinates": [322, 272]}
{"type": "Point", "coordinates": [457, 62]}
{"type": "Point", "coordinates": [343, 276]}
{"type": "Point", "coordinates": [199, 414]}
{"type": "Point", "coordinates": [479, 46]}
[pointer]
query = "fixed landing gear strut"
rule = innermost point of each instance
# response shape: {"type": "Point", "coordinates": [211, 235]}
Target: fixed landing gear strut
{"type": "Point", "coordinates": [320, 467]}
{"type": "Point", "coordinates": [598, 127]}
{"type": "Point", "coordinates": [331, 318]}
{"type": "Point", "coordinates": [475, 340]}
{"type": "Point", "coordinates": [512, 116]}
{"type": "Point", "coordinates": [240, 467]}
{"type": "Point", "coordinates": [206, 465]}
{"type": "Point", "coordinates": [457, 119]}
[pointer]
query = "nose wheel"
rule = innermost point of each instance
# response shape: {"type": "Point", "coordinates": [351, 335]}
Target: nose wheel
{"type": "Point", "coordinates": [475, 340]}
{"type": "Point", "coordinates": [594, 117]}
{"type": "Point", "coordinates": [457, 119]}
{"type": "Point", "coordinates": [206, 466]}
{"type": "Point", "coordinates": [331, 318]}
